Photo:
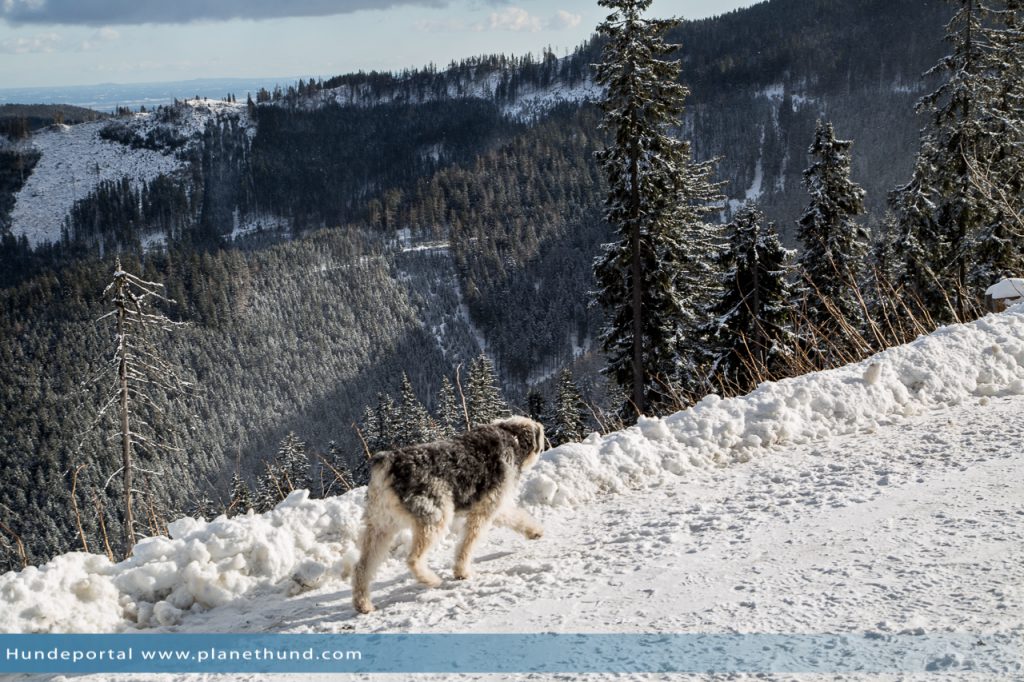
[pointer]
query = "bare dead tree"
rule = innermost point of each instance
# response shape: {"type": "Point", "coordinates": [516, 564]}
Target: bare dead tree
{"type": "Point", "coordinates": [138, 374]}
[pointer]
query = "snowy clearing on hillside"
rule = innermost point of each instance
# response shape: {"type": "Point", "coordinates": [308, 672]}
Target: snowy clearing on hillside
{"type": "Point", "coordinates": [76, 159]}
{"type": "Point", "coordinates": [881, 498]}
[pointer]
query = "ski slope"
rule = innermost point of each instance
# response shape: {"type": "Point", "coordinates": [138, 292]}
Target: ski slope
{"type": "Point", "coordinates": [878, 499]}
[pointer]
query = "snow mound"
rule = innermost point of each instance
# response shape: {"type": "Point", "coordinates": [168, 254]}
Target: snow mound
{"type": "Point", "coordinates": [984, 358]}
{"type": "Point", "coordinates": [201, 565]}
{"type": "Point", "coordinates": [303, 543]}
{"type": "Point", "coordinates": [1011, 288]}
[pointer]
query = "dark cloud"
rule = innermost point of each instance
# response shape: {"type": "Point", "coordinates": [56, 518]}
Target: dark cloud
{"type": "Point", "coordinates": [107, 12]}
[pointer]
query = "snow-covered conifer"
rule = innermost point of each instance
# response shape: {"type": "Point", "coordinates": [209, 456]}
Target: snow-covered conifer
{"type": "Point", "coordinates": [946, 220]}
{"type": "Point", "coordinates": [450, 419]}
{"type": "Point", "coordinates": [413, 424]}
{"type": "Point", "coordinates": [570, 418]}
{"type": "Point", "coordinates": [138, 374]}
{"type": "Point", "coordinates": [483, 397]}
{"type": "Point", "coordinates": [241, 496]}
{"type": "Point", "coordinates": [657, 278]}
{"type": "Point", "coordinates": [749, 332]}
{"type": "Point", "coordinates": [835, 245]}
{"type": "Point", "coordinates": [293, 463]}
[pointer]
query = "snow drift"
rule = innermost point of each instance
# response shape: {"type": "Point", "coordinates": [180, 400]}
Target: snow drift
{"type": "Point", "coordinates": [303, 542]}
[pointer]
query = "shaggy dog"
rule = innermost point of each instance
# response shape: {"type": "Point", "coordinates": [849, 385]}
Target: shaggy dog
{"type": "Point", "coordinates": [424, 486]}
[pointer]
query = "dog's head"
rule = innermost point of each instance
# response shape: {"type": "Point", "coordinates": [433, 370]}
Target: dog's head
{"type": "Point", "coordinates": [529, 437]}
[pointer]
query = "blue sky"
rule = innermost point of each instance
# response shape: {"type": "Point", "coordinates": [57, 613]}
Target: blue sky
{"type": "Point", "coordinates": [78, 42]}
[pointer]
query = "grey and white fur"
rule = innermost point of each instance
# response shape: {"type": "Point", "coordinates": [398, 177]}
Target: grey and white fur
{"type": "Point", "coordinates": [424, 486]}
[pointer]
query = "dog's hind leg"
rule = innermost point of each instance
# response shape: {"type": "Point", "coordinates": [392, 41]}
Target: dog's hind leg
{"type": "Point", "coordinates": [520, 521]}
{"type": "Point", "coordinates": [374, 545]}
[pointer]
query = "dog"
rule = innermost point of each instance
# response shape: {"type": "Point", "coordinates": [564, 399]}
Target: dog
{"type": "Point", "coordinates": [424, 486]}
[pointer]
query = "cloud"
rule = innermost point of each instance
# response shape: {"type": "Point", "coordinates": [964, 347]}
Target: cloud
{"type": "Point", "coordinates": [514, 19]}
{"type": "Point", "coordinates": [99, 38]}
{"type": "Point", "coordinates": [124, 12]}
{"type": "Point", "coordinates": [508, 19]}
{"type": "Point", "coordinates": [38, 44]}
{"type": "Point", "coordinates": [566, 20]}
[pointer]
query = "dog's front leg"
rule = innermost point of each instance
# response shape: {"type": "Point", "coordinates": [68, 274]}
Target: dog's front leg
{"type": "Point", "coordinates": [520, 521]}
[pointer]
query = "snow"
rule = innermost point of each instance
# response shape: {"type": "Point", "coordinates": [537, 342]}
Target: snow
{"type": "Point", "coordinates": [75, 160]}
{"type": "Point", "coordinates": [880, 498]}
{"type": "Point", "coordinates": [531, 103]}
{"type": "Point", "coordinates": [1009, 289]}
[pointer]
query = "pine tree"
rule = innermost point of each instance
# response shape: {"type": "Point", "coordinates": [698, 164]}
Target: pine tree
{"type": "Point", "coordinates": [271, 488]}
{"type": "Point", "coordinates": [450, 418]}
{"type": "Point", "coordinates": [750, 325]}
{"type": "Point", "coordinates": [414, 424]}
{"type": "Point", "coordinates": [293, 464]}
{"type": "Point", "coordinates": [941, 213]}
{"type": "Point", "coordinates": [369, 429]}
{"type": "Point", "coordinates": [657, 278]}
{"type": "Point", "coordinates": [998, 248]}
{"type": "Point", "coordinates": [483, 397]}
{"type": "Point", "coordinates": [385, 423]}
{"type": "Point", "coordinates": [241, 496]}
{"type": "Point", "coordinates": [536, 406]}
{"type": "Point", "coordinates": [835, 244]}
{"type": "Point", "coordinates": [570, 419]}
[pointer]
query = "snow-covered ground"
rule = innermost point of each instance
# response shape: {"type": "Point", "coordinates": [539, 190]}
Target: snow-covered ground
{"type": "Point", "coordinates": [75, 160]}
{"type": "Point", "coordinates": [881, 498]}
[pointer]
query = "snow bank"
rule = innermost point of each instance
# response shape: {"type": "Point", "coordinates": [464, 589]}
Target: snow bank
{"type": "Point", "coordinates": [203, 565]}
{"type": "Point", "coordinates": [984, 358]}
{"type": "Point", "coordinates": [1008, 289]}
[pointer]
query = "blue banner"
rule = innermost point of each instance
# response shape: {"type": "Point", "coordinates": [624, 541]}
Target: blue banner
{"type": "Point", "coordinates": [875, 653]}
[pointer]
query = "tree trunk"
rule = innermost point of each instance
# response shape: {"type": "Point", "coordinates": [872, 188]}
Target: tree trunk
{"type": "Point", "coordinates": [126, 438]}
{"type": "Point", "coordinates": [639, 394]}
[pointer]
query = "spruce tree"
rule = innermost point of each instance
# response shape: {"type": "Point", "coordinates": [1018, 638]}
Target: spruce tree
{"type": "Point", "coordinates": [835, 245]}
{"type": "Point", "coordinates": [998, 248]}
{"type": "Point", "coordinates": [450, 419]}
{"type": "Point", "coordinates": [483, 397]}
{"type": "Point", "coordinates": [385, 423]}
{"type": "Point", "coordinates": [749, 327]}
{"type": "Point", "coordinates": [241, 496]}
{"type": "Point", "coordinates": [941, 212]}
{"type": "Point", "coordinates": [570, 419]}
{"type": "Point", "coordinates": [271, 488]}
{"type": "Point", "coordinates": [293, 464]}
{"type": "Point", "coordinates": [536, 406]}
{"type": "Point", "coordinates": [658, 276]}
{"type": "Point", "coordinates": [414, 424]}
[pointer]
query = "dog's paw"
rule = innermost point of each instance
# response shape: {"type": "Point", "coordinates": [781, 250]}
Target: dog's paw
{"type": "Point", "coordinates": [534, 533]}
{"type": "Point", "coordinates": [463, 573]}
{"type": "Point", "coordinates": [363, 605]}
{"type": "Point", "coordinates": [428, 578]}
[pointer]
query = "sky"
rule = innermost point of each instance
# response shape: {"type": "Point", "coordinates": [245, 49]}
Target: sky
{"type": "Point", "coordinates": [45, 43]}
